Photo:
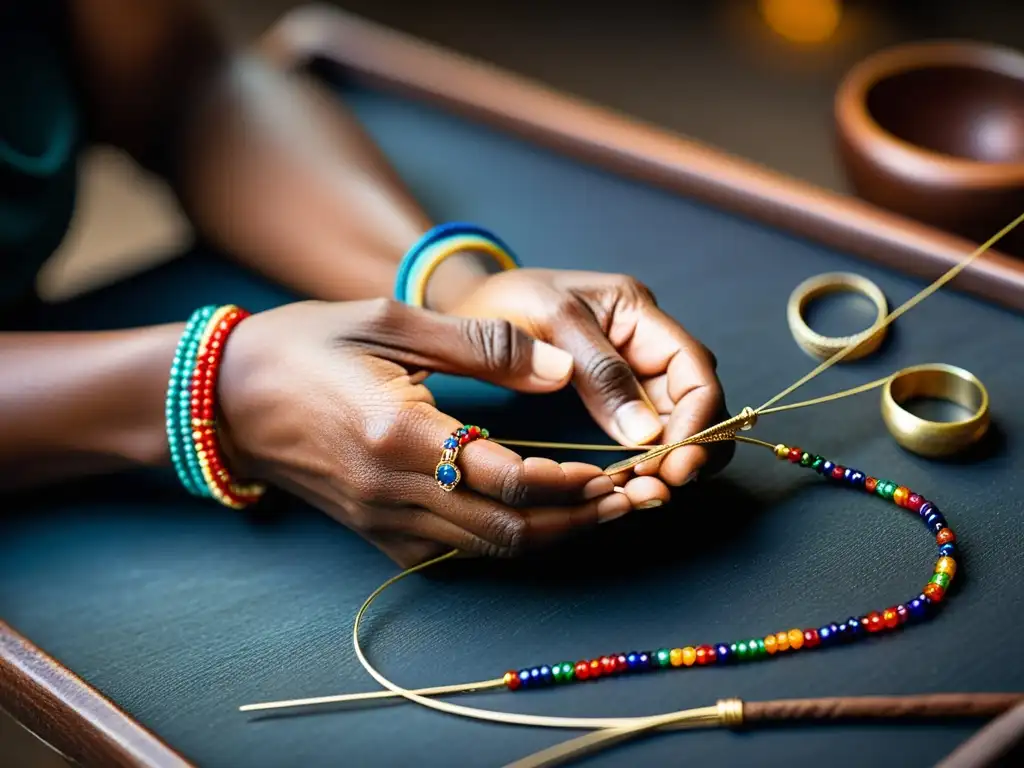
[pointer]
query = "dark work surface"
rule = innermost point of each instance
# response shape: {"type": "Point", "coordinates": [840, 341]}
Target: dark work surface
{"type": "Point", "coordinates": [181, 612]}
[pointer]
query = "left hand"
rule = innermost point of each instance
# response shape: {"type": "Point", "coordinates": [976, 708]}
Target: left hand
{"type": "Point", "coordinates": [639, 373]}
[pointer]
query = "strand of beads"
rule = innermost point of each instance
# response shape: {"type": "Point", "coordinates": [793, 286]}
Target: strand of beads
{"type": "Point", "coordinates": [776, 644]}
{"type": "Point", "coordinates": [447, 473]}
{"type": "Point", "coordinates": [191, 409]}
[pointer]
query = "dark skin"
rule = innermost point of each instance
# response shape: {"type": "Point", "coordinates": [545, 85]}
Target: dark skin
{"type": "Point", "coordinates": [281, 177]}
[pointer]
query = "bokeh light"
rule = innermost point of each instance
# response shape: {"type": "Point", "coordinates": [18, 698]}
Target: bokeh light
{"type": "Point", "coordinates": [802, 21]}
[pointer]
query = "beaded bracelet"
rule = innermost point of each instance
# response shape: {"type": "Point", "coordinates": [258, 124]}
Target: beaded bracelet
{"type": "Point", "coordinates": [191, 409]}
{"type": "Point", "coordinates": [441, 242]}
{"type": "Point", "coordinates": [772, 645]}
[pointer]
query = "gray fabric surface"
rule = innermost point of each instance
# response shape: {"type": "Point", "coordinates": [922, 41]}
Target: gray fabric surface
{"type": "Point", "coordinates": [181, 612]}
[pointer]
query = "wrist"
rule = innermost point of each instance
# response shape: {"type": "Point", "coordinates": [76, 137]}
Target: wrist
{"type": "Point", "coordinates": [456, 277]}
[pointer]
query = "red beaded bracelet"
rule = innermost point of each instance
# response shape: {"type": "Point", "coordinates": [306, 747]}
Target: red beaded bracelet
{"type": "Point", "coordinates": [219, 483]}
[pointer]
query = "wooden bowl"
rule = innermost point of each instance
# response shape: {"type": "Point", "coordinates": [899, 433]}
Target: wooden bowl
{"type": "Point", "coordinates": [935, 131]}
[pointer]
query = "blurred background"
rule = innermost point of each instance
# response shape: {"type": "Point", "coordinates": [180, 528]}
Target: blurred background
{"type": "Point", "coordinates": [753, 77]}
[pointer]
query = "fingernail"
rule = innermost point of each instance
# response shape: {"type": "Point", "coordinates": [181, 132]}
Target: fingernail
{"type": "Point", "coordinates": [599, 486]}
{"type": "Point", "coordinates": [638, 423]}
{"type": "Point", "coordinates": [650, 504]}
{"type": "Point", "coordinates": [612, 507]}
{"type": "Point", "coordinates": [550, 363]}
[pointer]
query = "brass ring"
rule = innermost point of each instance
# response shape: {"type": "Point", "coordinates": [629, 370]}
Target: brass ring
{"type": "Point", "coordinates": [824, 347]}
{"type": "Point", "coordinates": [935, 439]}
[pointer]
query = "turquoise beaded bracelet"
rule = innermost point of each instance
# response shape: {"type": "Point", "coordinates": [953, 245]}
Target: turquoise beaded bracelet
{"type": "Point", "coordinates": [178, 403]}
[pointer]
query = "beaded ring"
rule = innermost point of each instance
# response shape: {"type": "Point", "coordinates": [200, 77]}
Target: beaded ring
{"type": "Point", "coordinates": [447, 472]}
{"type": "Point", "coordinates": [772, 645]}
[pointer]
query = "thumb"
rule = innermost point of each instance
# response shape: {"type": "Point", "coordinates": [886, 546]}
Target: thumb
{"type": "Point", "coordinates": [491, 350]}
{"type": "Point", "coordinates": [607, 384]}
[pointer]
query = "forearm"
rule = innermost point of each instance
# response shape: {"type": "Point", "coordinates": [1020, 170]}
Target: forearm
{"type": "Point", "coordinates": [280, 175]}
{"type": "Point", "coordinates": [74, 404]}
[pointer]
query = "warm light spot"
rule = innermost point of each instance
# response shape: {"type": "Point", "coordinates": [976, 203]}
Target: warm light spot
{"type": "Point", "coordinates": [802, 21]}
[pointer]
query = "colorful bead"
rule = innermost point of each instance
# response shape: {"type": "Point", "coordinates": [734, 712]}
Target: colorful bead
{"type": "Point", "coordinates": [796, 639]}
{"type": "Point", "coordinates": [890, 618]}
{"type": "Point", "coordinates": [934, 592]}
{"type": "Point", "coordinates": [770, 645]}
{"type": "Point", "coordinates": [945, 536]}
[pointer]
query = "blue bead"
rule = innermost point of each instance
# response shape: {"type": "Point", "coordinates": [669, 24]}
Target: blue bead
{"type": "Point", "coordinates": [545, 675]}
{"type": "Point", "coordinates": [855, 478]}
{"type": "Point", "coordinates": [534, 675]}
{"type": "Point", "coordinates": [826, 467]}
{"type": "Point", "coordinates": [935, 522]}
{"type": "Point", "coordinates": [947, 550]}
{"type": "Point", "coordinates": [451, 443]}
{"type": "Point", "coordinates": [524, 676]}
{"type": "Point", "coordinates": [826, 635]}
{"type": "Point", "coordinates": [643, 659]}
{"type": "Point", "coordinates": [918, 607]}
{"type": "Point", "coordinates": [633, 660]}
{"type": "Point", "coordinates": [446, 474]}
{"type": "Point", "coordinates": [854, 628]}
{"type": "Point", "coordinates": [723, 653]}
{"type": "Point", "coordinates": [926, 509]}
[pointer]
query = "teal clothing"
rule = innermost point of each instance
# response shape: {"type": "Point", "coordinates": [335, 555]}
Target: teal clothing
{"type": "Point", "coordinates": [39, 141]}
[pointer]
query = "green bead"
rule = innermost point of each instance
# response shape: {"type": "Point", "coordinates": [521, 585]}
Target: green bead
{"type": "Point", "coordinates": [568, 672]}
{"type": "Point", "coordinates": [484, 434]}
{"type": "Point", "coordinates": [885, 489]}
{"type": "Point", "coordinates": [556, 673]}
{"type": "Point", "coordinates": [742, 651]}
{"type": "Point", "coordinates": [760, 647]}
{"type": "Point", "coordinates": [806, 459]}
{"type": "Point", "coordinates": [942, 579]}
{"type": "Point", "coordinates": [664, 657]}
{"type": "Point", "coordinates": [818, 461]}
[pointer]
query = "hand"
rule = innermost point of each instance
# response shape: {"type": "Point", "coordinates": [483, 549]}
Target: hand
{"type": "Point", "coordinates": [629, 356]}
{"type": "Point", "coordinates": [327, 402]}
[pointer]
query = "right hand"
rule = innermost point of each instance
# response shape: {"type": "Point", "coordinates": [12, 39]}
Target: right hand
{"type": "Point", "coordinates": [326, 401]}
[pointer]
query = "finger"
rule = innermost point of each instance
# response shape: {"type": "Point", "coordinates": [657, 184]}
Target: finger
{"type": "Point", "coordinates": [491, 528]}
{"type": "Point", "coordinates": [606, 382]}
{"type": "Point", "coordinates": [491, 350]}
{"type": "Point", "coordinates": [646, 492]}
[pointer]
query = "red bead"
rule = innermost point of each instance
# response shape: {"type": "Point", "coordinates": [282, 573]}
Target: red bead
{"type": "Point", "coordinates": [870, 484]}
{"type": "Point", "coordinates": [811, 639]}
{"type": "Point", "coordinates": [914, 502]}
{"type": "Point", "coordinates": [902, 613]}
{"type": "Point", "coordinates": [608, 665]}
{"type": "Point", "coordinates": [595, 668]}
{"type": "Point", "coordinates": [874, 621]}
{"type": "Point", "coordinates": [934, 591]}
{"type": "Point", "coordinates": [945, 536]}
{"type": "Point", "coordinates": [582, 670]}
{"type": "Point", "coordinates": [711, 656]}
{"type": "Point", "coordinates": [890, 618]}
{"type": "Point", "coordinates": [838, 472]}
{"type": "Point", "coordinates": [474, 432]}
{"type": "Point", "coordinates": [795, 454]}
{"type": "Point", "coordinates": [464, 440]}
{"type": "Point", "coordinates": [511, 680]}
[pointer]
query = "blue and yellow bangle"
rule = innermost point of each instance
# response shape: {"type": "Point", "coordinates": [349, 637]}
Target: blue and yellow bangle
{"type": "Point", "coordinates": [441, 242]}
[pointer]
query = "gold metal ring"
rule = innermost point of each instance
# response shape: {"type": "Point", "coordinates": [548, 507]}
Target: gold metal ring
{"type": "Point", "coordinates": [823, 347]}
{"type": "Point", "coordinates": [935, 439]}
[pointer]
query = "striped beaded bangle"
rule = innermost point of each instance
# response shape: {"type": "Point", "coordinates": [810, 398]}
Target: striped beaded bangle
{"type": "Point", "coordinates": [191, 411]}
{"type": "Point", "coordinates": [438, 244]}
{"type": "Point", "coordinates": [776, 644]}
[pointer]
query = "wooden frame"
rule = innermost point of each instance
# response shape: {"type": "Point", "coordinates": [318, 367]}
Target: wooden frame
{"type": "Point", "coordinates": [80, 722]}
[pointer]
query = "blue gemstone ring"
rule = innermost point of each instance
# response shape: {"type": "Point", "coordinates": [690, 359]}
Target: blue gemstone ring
{"type": "Point", "coordinates": [447, 473]}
